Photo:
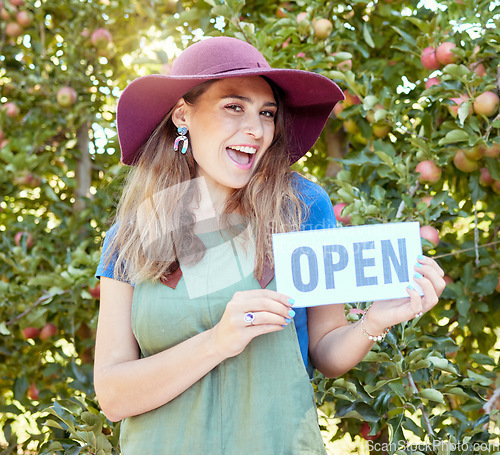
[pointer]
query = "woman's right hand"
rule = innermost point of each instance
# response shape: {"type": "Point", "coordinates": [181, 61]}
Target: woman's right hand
{"type": "Point", "coordinates": [272, 312]}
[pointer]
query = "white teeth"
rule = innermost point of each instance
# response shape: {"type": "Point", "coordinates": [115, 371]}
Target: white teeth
{"type": "Point", "coordinates": [244, 149]}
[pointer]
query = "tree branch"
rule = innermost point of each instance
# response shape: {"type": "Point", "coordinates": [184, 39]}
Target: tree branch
{"type": "Point", "coordinates": [421, 406]}
{"type": "Point", "coordinates": [38, 302]}
{"type": "Point", "coordinates": [488, 406]}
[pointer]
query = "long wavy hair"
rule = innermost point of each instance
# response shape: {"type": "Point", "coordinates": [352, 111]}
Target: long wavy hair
{"type": "Point", "coordinates": [156, 216]}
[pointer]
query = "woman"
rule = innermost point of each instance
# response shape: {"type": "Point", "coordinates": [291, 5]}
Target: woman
{"type": "Point", "coordinates": [195, 349]}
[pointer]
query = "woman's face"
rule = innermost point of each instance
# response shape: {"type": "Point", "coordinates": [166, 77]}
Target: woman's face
{"type": "Point", "coordinates": [231, 126]}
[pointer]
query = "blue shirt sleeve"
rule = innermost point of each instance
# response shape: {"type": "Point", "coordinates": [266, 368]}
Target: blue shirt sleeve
{"type": "Point", "coordinates": [319, 215]}
{"type": "Point", "coordinates": [107, 264]}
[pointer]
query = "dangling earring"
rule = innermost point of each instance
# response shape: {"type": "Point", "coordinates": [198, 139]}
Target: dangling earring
{"type": "Point", "coordinates": [182, 131]}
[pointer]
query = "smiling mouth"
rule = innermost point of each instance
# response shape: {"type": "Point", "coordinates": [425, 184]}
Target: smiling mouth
{"type": "Point", "coordinates": [242, 156]}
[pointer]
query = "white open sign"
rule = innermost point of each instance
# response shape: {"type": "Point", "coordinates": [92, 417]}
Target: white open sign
{"type": "Point", "coordinates": [350, 264]}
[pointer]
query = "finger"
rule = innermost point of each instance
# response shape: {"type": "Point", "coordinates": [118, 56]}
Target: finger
{"type": "Point", "coordinates": [267, 305]}
{"type": "Point", "coordinates": [257, 330]}
{"type": "Point", "coordinates": [430, 297]}
{"type": "Point", "coordinates": [265, 294]}
{"type": "Point", "coordinates": [432, 275]}
{"type": "Point", "coordinates": [416, 306]}
{"type": "Point", "coordinates": [266, 318]}
{"type": "Point", "coordinates": [432, 263]}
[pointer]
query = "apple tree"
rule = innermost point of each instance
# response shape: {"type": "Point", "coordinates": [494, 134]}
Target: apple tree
{"type": "Point", "coordinates": [60, 75]}
{"type": "Point", "coordinates": [416, 139]}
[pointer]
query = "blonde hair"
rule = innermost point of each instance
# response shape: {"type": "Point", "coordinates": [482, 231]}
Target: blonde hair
{"type": "Point", "coordinates": [154, 218]}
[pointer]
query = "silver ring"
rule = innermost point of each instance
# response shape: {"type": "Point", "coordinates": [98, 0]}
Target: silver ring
{"type": "Point", "coordinates": [417, 315]}
{"type": "Point", "coordinates": [249, 317]}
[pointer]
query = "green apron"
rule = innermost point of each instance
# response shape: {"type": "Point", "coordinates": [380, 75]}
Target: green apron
{"type": "Point", "coordinates": [260, 402]}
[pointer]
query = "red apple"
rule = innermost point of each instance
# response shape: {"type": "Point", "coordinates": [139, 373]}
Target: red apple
{"type": "Point", "coordinates": [463, 163]}
{"type": "Point", "coordinates": [431, 81]}
{"type": "Point", "coordinates": [33, 392]}
{"type": "Point", "coordinates": [13, 29]}
{"type": "Point", "coordinates": [101, 37]}
{"type": "Point", "coordinates": [429, 172]}
{"type": "Point", "coordinates": [30, 332]}
{"type": "Point", "coordinates": [344, 65]}
{"type": "Point", "coordinates": [95, 292]}
{"type": "Point", "coordinates": [48, 330]}
{"type": "Point", "coordinates": [27, 179]}
{"type": "Point", "coordinates": [479, 69]}
{"type": "Point", "coordinates": [24, 19]}
{"type": "Point", "coordinates": [381, 130]}
{"type": "Point", "coordinates": [370, 115]}
{"type": "Point", "coordinates": [301, 16]}
{"type": "Point", "coordinates": [323, 28]}
{"type": "Point", "coordinates": [351, 126]}
{"type": "Point", "coordinates": [427, 200]}
{"type": "Point", "coordinates": [448, 279]}
{"type": "Point", "coordinates": [475, 153]}
{"type": "Point", "coordinates": [493, 151]}
{"type": "Point", "coordinates": [4, 14]}
{"type": "Point", "coordinates": [486, 104]}
{"type": "Point", "coordinates": [280, 12]}
{"type": "Point", "coordinates": [11, 109]}
{"type": "Point", "coordinates": [444, 53]}
{"type": "Point", "coordinates": [337, 209]}
{"type": "Point", "coordinates": [485, 178]}
{"type": "Point", "coordinates": [498, 285]}
{"type": "Point", "coordinates": [66, 96]}
{"type": "Point", "coordinates": [350, 99]}
{"type": "Point", "coordinates": [457, 102]}
{"type": "Point", "coordinates": [428, 59]}
{"type": "Point", "coordinates": [365, 429]}
{"type": "Point", "coordinates": [431, 234]}
{"type": "Point", "coordinates": [21, 237]}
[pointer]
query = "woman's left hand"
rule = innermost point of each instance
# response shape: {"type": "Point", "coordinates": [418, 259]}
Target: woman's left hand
{"type": "Point", "coordinates": [387, 313]}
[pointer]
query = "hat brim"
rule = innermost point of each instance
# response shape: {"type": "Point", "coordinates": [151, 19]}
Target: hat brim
{"type": "Point", "coordinates": [309, 99]}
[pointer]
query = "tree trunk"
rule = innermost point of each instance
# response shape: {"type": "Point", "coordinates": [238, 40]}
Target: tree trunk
{"type": "Point", "coordinates": [83, 168]}
{"type": "Point", "coordinates": [336, 148]}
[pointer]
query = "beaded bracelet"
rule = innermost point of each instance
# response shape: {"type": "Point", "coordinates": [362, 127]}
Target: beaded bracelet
{"type": "Point", "coordinates": [373, 337]}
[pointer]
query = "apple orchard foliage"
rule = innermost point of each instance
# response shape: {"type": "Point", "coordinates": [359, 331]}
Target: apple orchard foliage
{"type": "Point", "coordinates": [431, 377]}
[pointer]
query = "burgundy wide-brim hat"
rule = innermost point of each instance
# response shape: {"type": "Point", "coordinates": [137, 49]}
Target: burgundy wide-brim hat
{"type": "Point", "coordinates": [309, 97]}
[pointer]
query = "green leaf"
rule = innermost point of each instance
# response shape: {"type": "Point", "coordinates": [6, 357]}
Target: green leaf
{"type": "Point", "coordinates": [481, 380]}
{"type": "Point", "coordinates": [482, 359]}
{"type": "Point", "coordinates": [463, 111]}
{"type": "Point", "coordinates": [373, 356]}
{"type": "Point", "coordinates": [454, 136]}
{"type": "Point", "coordinates": [457, 391]}
{"type": "Point", "coordinates": [4, 329]}
{"type": "Point", "coordinates": [406, 36]}
{"type": "Point", "coordinates": [360, 411]}
{"type": "Point", "coordinates": [442, 364]}
{"type": "Point", "coordinates": [367, 35]}
{"type": "Point", "coordinates": [371, 388]}
{"type": "Point", "coordinates": [385, 158]}
{"type": "Point", "coordinates": [432, 394]}
{"type": "Point", "coordinates": [378, 193]}
{"type": "Point", "coordinates": [458, 71]}
{"type": "Point", "coordinates": [54, 424]}
{"type": "Point", "coordinates": [486, 285]}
